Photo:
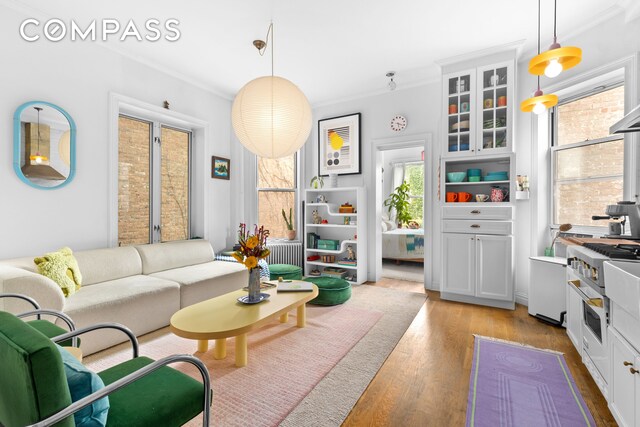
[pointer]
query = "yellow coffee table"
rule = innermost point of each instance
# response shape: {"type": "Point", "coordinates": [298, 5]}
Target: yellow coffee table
{"type": "Point", "coordinates": [224, 317]}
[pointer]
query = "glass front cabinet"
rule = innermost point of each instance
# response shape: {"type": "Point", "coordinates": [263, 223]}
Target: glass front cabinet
{"type": "Point", "coordinates": [478, 107]}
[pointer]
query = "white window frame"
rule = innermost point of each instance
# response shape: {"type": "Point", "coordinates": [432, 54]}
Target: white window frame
{"type": "Point", "coordinates": [201, 214]}
{"type": "Point", "coordinates": [606, 84]}
{"type": "Point", "coordinates": [416, 162]}
{"type": "Point", "coordinates": [296, 197]}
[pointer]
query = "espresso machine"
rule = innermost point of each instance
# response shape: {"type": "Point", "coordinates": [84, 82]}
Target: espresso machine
{"type": "Point", "coordinates": [617, 215]}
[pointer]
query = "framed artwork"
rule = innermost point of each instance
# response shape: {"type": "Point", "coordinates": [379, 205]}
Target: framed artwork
{"type": "Point", "coordinates": [339, 145]}
{"type": "Point", "coordinates": [220, 167]}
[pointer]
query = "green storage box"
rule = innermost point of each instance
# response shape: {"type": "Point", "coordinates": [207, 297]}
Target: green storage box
{"type": "Point", "coordinates": [331, 290]}
{"type": "Point", "coordinates": [286, 271]}
{"type": "Point", "coordinates": [328, 244]}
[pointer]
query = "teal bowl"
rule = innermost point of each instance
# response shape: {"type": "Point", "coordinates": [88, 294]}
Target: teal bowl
{"type": "Point", "coordinates": [456, 176]}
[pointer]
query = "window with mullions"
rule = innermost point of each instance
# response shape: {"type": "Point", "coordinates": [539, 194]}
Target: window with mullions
{"type": "Point", "coordinates": [587, 162]}
{"type": "Point", "coordinates": [414, 176]}
{"type": "Point", "coordinates": [277, 189]}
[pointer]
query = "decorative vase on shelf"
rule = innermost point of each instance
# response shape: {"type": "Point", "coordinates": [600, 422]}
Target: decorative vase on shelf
{"type": "Point", "coordinates": [254, 284]}
{"type": "Point", "coordinates": [333, 180]}
{"type": "Point", "coordinates": [291, 234]}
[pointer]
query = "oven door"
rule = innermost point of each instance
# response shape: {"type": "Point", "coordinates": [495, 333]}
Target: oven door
{"type": "Point", "coordinates": [594, 335]}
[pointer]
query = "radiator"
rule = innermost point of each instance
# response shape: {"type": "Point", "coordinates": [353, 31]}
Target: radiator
{"type": "Point", "coordinates": [285, 253]}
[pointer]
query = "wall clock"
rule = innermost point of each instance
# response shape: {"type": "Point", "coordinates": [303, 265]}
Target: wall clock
{"type": "Point", "coordinates": [398, 123]}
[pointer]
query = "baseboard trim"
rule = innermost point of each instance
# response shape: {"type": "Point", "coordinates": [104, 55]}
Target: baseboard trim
{"type": "Point", "coordinates": [507, 305]}
{"type": "Point", "coordinates": [522, 298]}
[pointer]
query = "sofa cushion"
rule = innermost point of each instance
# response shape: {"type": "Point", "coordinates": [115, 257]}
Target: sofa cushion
{"type": "Point", "coordinates": [82, 382]}
{"type": "Point", "coordinates": [168, 255]}
{"type": "Point", "coordinates": [204, 281]}
{"type": "Point", "coordinates": [101, 265]}
{"type": "Point", "coordinates": [141, 303]}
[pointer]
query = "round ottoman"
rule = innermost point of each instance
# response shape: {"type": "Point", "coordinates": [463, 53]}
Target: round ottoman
{"type": "Point", "coordinates": [286, 271]}
{"type": "Point", "coordinates": [331, 290]}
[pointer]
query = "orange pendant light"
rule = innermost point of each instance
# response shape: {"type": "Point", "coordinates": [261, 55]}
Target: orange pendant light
{"type": "Point", "coordinates": [539, 102]}
{"type": "Point", "coordinates": [557, 59]}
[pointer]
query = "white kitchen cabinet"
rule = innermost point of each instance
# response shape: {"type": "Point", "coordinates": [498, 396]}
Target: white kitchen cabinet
{"type": "Point", "coordinates": [624, 391]}
{"type": "Point", "coordinates": [478, 266]}
{"type": "Point", "coordinates": [459, 252]}
{"type": "Point", "coordinates": [574, 315]}
{"type": "Point", "coordinates": [494, 261]}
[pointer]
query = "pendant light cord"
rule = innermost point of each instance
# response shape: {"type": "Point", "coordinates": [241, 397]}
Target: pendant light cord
{"type": "Point", "coordinates": [555, 21]}
{"type": "Point", "coordinates": [266, 44]}
{"type": "Point", "coordinates": [538, 39]}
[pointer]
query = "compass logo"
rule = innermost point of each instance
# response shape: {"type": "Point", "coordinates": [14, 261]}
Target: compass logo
{"type": "Point", "coordinates": [55, 30]}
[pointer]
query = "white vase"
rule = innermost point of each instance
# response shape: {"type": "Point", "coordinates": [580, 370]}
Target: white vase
{"type": "Point", "coordinates": [333, 180]}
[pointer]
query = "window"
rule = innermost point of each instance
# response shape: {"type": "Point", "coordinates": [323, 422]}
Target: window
{"type": "Point", "coordinates": [587, 162]}
{"type": "Point", "coordinates": [414, 176]}
{"type": "Point", "coordinates": [277, 190]}
{"type": "Point", "coordinates": [153, 182]}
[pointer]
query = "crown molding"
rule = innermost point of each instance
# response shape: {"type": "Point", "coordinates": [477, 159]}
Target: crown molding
{"type": "Point", "coordinates": [515, 45]}
{"type": "Point", "coordinates": [631, 8]}
{"type": "Point", "coordinates": [42, 15]}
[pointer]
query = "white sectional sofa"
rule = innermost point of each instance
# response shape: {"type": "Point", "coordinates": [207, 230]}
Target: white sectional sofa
{"type": "Point", "coordinates": [138, 286]}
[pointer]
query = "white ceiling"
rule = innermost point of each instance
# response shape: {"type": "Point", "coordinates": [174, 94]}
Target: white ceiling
{"type": "Point", "coordinates": [332, 49]}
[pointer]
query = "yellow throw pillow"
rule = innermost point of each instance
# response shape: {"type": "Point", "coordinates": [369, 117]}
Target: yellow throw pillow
{"type": "Point", "coordinates": [62, 268]}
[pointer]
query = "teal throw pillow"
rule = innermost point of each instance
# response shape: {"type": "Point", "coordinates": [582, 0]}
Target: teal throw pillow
{"type": "Point", "coordinates": [82, 382]}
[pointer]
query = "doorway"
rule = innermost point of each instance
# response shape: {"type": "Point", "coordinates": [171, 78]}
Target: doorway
{"type": "Point", "coordinates": [403, 181]}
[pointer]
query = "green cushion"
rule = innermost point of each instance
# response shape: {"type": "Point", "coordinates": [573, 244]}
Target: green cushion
{"type": "Point", "coordinates": [165, 397]}
{"type": "Point", "coordinates": [286, 271]}
{"type": "Point", "coordinates": [50, 330]}
{"type": "Point", "coordinates": [82, 382]}
{"type": "Point", "coordinates": [31, 368]}
{"type": "Point", "coordinates": [331, 290]}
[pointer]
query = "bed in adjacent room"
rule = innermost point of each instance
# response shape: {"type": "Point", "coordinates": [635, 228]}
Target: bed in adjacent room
{"type": "Point", "coordinates": [403, 244]}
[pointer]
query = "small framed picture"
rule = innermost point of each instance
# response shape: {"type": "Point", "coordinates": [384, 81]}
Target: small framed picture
{"type": "Point", "coordinates": [220, 167]}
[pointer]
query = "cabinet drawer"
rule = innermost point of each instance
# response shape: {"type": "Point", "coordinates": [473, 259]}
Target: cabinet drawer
{"type": "Point", "coordinates": [484, 211]}
{"type": "Point", "coordinates": [477, 227]}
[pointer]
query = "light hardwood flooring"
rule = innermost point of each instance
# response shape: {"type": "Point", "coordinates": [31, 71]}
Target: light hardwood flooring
{"type": "Point", "coordinates": [425, 380]}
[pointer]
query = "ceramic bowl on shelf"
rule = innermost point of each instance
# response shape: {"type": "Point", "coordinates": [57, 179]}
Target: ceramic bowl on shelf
{"type": "Point", "coordinates": [474, 172]}
{"type": "Point", "coordinates": [456, 176]}
{"type": "Point", "coordinates": [474, 179]}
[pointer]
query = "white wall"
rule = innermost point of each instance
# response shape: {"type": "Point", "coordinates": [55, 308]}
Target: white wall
{"type": "Point", "coordinates": [604, 43]}
{"type": "Point", "coordinates": [421, 107]}
{"type": "Point", "coordinates": [79, 77]}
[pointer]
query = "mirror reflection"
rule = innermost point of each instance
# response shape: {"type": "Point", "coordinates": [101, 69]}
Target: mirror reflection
{"type": "Point", "coordinates": [45, 135]}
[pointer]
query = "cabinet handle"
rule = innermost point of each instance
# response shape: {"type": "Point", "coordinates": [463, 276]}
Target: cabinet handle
{"type": "Point", "coordinates": [475, 226]}
{"type": "Point", "coordinates": [633, 371]}
{"type": "Point", "coordinates": [625, 363]}
{"type": "Point", "coordinates": [575, 283]}
{"type": "Point", "coordinates": [475, 211]}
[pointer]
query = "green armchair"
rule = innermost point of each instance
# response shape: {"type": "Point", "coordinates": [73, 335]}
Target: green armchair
{"type": "Point", "coordinates": [44, 326]}
{"type": "Point", "coordinates": [142, 392]}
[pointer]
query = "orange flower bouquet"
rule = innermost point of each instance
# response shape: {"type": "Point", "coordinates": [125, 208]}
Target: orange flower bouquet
{"type": "Point", "coordinates": [253, 247]}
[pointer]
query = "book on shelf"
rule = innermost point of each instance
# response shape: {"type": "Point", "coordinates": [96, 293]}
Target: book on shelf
{"type": "Point", "coordinates": [349, 262]}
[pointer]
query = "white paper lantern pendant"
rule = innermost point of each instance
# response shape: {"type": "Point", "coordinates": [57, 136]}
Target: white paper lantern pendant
{"type": "Point", "coordinates": [270, 115]}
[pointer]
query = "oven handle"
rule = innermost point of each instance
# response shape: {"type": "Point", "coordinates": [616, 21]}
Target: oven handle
{"type": "Point", "coordinates": [597, 307]}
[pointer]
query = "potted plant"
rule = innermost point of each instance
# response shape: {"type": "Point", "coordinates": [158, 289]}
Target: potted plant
{"type": "Point", "coordinates": [291, 233]}
{"type": "Point", "coordinates": [399, 201]}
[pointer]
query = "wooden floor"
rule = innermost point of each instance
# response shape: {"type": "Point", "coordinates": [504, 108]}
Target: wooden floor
{"type": "Point", "coordinates": [425, 380]}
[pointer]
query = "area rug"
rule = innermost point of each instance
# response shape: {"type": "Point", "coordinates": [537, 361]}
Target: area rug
{"type": "Point", "coordinates": [286, 363]}
{"type": "Point", "coordinates": [517, 385]}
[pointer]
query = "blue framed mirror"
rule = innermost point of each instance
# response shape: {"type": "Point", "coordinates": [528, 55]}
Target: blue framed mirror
{"type": "Point", "coordinates": [44, 145]}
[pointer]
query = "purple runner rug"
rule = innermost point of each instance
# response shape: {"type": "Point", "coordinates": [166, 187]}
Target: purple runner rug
{"type": "Point", "coordinates": [515, 385]}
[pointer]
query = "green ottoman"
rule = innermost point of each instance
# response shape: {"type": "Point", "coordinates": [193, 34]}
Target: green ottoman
{"type": "Point", "coordinates": [331, 290]}
{"type": "Point", "coordinates": [286, 271]}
